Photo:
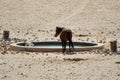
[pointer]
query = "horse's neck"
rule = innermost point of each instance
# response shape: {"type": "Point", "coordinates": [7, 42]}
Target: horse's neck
{"type": "Point", "coordinates": [61, 31]}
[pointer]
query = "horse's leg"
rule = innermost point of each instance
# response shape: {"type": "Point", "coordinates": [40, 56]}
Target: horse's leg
{"type": "Point", "coordinates": [71, 43]}
{"type": "Point", "coordinates": [69, 46]}
{"type": "Point", "coordinates": [64, 46]}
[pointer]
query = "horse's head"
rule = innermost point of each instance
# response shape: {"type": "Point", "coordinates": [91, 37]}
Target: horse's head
{"type": "Point", "coordinates": [58, 30]}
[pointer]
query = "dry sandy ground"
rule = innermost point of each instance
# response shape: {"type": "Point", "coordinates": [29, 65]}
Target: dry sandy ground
{"type": "Point", "coordinates": [35, 20]}
{"type": "Point", "coordinates": [56, 66]}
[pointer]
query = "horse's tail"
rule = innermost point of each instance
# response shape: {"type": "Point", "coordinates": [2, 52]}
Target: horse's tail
{"type": "Point", "coordinates": [71, 44]}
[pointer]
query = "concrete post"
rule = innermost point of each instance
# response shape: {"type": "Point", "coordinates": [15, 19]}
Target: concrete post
{"type": "Point", "coordinates": [5, 34]}
{"type": "Point", "coordinates": [113, 46]}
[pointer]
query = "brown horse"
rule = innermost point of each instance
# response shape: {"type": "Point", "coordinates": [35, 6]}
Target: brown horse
{"type": "Point", "coordinates": [65, 35]}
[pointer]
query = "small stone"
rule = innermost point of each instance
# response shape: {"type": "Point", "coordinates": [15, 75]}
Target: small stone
{"type": "Point", "coordinates": [89, 32]}
{"type": "Point", "coordinates": [118, 75]}
{"type": "Point", "coordinates": [21, 73]}
{"type": "Point", "coordinates": [102, 32]}
{"type": "Point", "coordinates": [4, 77]}
{"type": "Point", "coordinates": [118, 29]}
{"type": "Point", "coordinates": [4, 52]}
{"type": "Point", "coordinates": [38, 30]}
{"type": "Point", "coordinates": [87, 39]}
{"type": "Point", "coordinates": [18, 31]}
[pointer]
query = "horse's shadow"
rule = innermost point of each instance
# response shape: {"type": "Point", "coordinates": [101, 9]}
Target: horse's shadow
{"type": "Point", "coordinates": [69, 53]}
{"type": "Point", "coordinates": [74, 59]}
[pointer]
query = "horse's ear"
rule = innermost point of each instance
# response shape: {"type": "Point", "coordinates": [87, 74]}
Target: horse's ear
{"type": "Point", "coordinates": [57, 27]}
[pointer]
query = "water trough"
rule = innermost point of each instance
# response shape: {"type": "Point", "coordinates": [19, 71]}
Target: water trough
{"type": "Point", "coordinates": [53, 46]}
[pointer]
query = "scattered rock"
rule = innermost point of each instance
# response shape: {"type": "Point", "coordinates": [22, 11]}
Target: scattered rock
{"type": "Point", "coordinates": [117, 62]}
{"type": "Point", "coordinates": [83, 35]}
{"type": "Point", "coordinates": [4, 77]}
{"type": "Point", "coordinates": [4, 52]}
{"type": "Point", "coordinates": [118, 75]}
{"type": "Point", "coordinates": [102, 32]}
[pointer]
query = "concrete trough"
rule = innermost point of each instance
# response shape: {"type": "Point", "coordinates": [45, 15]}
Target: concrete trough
{"type": "Point", "coordinates": [53, 46]}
